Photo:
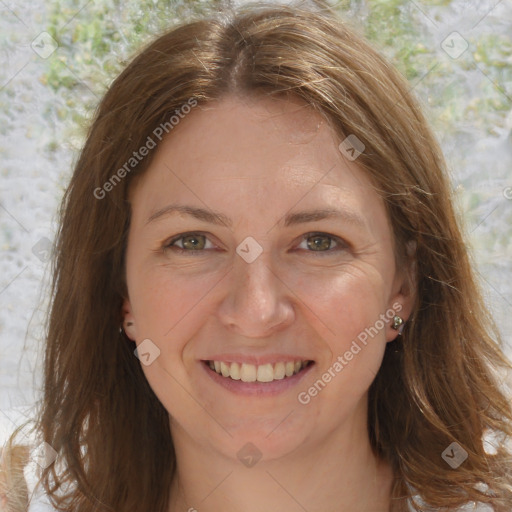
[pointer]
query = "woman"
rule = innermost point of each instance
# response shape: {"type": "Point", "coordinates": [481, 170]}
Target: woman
{"type": "Point", "coordinates": [262, 299]}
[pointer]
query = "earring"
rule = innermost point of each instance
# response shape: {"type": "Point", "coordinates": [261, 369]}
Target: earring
{"type": "Point", "coordinates": [122, 331]}
{"type": "Point", "coordinates": [398, 324]}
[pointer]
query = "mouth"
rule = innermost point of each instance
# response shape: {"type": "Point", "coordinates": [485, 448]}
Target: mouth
{"type": "Point", "coordinates": [263, 373]}
{"type": "Point", "coordinates": [267, 378]}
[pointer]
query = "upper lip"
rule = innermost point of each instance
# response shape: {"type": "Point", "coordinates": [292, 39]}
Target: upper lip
{"type": "Point", "coordinates": [256, 360]}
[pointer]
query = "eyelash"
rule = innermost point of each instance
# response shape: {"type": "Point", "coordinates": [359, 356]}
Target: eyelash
{"type": "Point", "coordinates": [342, 245]}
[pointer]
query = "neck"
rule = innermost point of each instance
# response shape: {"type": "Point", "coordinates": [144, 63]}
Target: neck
{"type": "Point", "coordinates": [340, 473]}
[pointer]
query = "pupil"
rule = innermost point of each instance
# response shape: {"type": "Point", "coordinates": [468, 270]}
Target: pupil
{"type": "Point", "coordinates": [192, 242]}
{"type": "Point", "coordinates": [320, 242]}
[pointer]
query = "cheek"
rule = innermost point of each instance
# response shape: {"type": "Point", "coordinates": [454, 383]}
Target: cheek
{"type": "Point", "coordinates": [348, 310]}
{"type": "Point", "coordinates": [345, 301]}
{"type": "Point", "coordinates": [166, 303]}
{"type": "Point", "coordinates": [346, 306]}
{"type": "Point", "coordinates": [168, 310]}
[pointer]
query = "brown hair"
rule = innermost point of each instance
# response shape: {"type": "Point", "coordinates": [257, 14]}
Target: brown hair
{"type": "Point", "coordinates": [99, 411]}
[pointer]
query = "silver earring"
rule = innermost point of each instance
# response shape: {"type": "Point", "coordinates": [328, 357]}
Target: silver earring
{"type": "Point", "coordinates": [122, 331]}
{"type": "Point", "coordinates": [398, 324]}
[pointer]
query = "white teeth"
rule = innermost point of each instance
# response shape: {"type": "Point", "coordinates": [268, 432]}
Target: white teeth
{"type": "Point", "coordinates": [224, 369]}
{"type": "Point", "coordinates": [279, 371]}
{"type": "Point", "coordinates": [248, 373]}
{"type": "Point", "coordinates": [265, 373]}
{"type": "Point", "coordinates": [262, 373]}
{"type": "Point", "coordinates": [235, 371]}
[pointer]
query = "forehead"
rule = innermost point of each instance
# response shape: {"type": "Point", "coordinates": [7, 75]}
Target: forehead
{"type": "Point", "coordinates": [259, 142]}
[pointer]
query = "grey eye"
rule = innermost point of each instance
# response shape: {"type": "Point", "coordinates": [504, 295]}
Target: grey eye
{"type": "Point", "coordinates": [189, 242]}
{"type": "Point", "coordinates": [193, 242]}
{"type": "Point", "coordinates": [319, 242]}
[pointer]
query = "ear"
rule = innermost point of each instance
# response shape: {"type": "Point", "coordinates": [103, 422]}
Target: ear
{"type": "Point", "coordinates": [129, 325]}
{"type": "Point", "coordinates": [404, 293]}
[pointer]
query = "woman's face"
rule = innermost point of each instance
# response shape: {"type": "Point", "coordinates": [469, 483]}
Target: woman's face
{"type": "Point", "coordinates": [257, 247]}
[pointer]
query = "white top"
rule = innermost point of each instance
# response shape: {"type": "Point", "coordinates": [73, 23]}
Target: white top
{"type": "Point", "coordinates": [39, 501]}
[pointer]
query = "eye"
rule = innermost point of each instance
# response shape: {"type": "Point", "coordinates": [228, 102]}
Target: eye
{"type": "Point", "coordinates": [189, 242]}
{"type": "Point", "coordinates": [321, 242]}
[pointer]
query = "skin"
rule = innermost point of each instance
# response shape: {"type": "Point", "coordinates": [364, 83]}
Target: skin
{"type": "Point", "coordinates": [256, 160]}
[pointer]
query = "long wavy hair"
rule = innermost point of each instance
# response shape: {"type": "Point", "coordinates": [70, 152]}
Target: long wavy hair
{"type": "Point", "coordinates": [443, 384]}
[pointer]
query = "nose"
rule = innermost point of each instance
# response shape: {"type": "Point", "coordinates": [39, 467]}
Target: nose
{"type": "Point", "coordinates": [257, 302]}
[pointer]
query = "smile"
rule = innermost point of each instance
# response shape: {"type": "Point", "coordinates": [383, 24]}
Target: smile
{"type": "Point", "coordinates": [247, 372]}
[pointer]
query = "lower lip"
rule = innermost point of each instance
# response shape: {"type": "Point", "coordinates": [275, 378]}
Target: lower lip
{"type": "Point", "coordinates": [257, 388]}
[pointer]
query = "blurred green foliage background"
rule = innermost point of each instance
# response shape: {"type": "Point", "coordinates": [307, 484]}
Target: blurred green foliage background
{"type": "Point", "coordinates": [99, 40]}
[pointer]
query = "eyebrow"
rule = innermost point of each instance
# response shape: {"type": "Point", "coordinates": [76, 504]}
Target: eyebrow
{"type": "Point", "coordinates": [198, 213]}
{"type": "Point", "coordinates": [290, 219]}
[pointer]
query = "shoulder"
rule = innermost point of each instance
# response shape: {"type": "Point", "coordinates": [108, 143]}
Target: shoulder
{"type": "Point", "coordinates": [38, 499]}
{"type": "Point", "coordinates": [20, 488]}
{"type": "Point", "coordinates": [469, 507]}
